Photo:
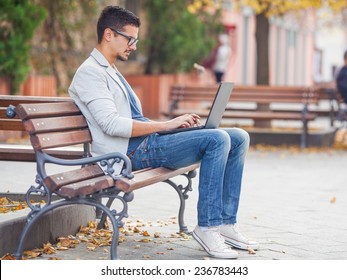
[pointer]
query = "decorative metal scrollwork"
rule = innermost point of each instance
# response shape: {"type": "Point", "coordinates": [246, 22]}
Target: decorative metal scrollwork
{"type": "Point", "coordinates": [114, 194]}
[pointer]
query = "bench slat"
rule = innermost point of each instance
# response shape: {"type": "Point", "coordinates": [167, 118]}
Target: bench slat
{"type": "Point", "coordinates": [60, 139]}
{"type": "Point", "coordinates": [256, 94]}
{"type": "Point", "coordinates": [27, 154]}
{"type": "Point", "coordinates": [15, 125]}
{"type": "Point", "coordinates": [7, 100]}
{"type": "Point", "coordinates": [26, 111]}
{"type": "Point", "coordinates": [253, 99]}
{"type": "Point", "coordinates": [152, 176]}
{"type": "Point", "coordinates": [256, 115]}
{"type": "Point", "coordinates": [55, 124]}
{"type": "Point", "coordinates": [56, 181]}
{"type": "Point", "coordinates": [87, 187]}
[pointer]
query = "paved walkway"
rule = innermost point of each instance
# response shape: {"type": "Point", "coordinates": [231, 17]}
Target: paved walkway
{"type": "Point", "coordinates": [294, 203]}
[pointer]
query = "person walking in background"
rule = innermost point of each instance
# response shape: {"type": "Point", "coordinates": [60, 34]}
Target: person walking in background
{"type": "Point", "coordinates": [223, 54]}
{"type": "Point", "coordinates": [341, 79]}
{"type": "Point", "coordinates": [218, 61]}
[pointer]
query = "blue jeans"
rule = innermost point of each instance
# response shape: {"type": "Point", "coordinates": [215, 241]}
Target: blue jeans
{"type": "Point", "coordinates": [221, 153]}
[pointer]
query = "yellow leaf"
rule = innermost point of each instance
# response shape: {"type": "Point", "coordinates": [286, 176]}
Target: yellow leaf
{"type": "Point", "coordinates": [144, 240]}
{"type": "Point", "coordinates": [32, 254]}
{"type": "Point", "coordinates": [91, 224]}
{"type": "Point", "coordinates": [4, 210]}
{"type": "Point", "coordinates": [64, 242]}
{"type": "Point", "coordinates": [48, 248]}
{"type": "Point", "coordinates": [3, 201]}
{"type": "Point", "coordinates": [8, 257]}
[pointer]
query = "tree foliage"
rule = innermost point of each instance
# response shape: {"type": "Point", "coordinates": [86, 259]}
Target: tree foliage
{"type": "Point", "coordinates": [64, 38]}
{"type": "Point", "coordinates": [18, 21]}
{"type": "Point", "coordinates": [180, 33]}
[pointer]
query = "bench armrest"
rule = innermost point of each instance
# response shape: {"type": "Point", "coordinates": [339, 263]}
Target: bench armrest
{"type": "Point", "coordinates": [106, 162]}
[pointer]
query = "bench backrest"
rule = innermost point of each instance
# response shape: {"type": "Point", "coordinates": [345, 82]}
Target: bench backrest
{"type": "Point", "coordinates": [15, 124]}
{"type": "Point", "coordinates": [329, 93]}
{"type": "Point", "coordinates": [53, 125]}
{"type": "Point", "coordinates": [257, 94]}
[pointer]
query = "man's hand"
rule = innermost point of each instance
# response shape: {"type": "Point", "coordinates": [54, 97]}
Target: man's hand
{"type": "Point", "coordinates": [187, 120]}
{"type": "Point", "coordinates": [143, 128]}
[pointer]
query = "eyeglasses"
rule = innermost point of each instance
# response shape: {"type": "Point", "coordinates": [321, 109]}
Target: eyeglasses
{"type": "Point", "coordinates": [131, 40]}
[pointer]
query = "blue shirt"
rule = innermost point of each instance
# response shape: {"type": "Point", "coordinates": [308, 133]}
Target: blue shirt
{"type": "Point", "coordinates": [136, 114]}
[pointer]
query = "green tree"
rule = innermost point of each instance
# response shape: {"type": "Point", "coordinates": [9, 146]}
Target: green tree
{"type": "Point", "coordinates": [18, 21]}
{"type": "Point", "coordinates": [64, 38]}
{"type": "Point", "coordinates": [178, 37]}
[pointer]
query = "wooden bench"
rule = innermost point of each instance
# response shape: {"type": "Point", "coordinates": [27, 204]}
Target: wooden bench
{"type": "Point", "coordinates": [336, 104]}
{"type": "Point", "coordinates": [185, 99]}
{"type": "Point", "coordinates": [61, 124]}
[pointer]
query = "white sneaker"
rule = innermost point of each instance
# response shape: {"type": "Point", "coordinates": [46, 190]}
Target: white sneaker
{"type": "Point", "coordinates": [213, 243]}
{"type": "Point", "coordinates": [234, 238]}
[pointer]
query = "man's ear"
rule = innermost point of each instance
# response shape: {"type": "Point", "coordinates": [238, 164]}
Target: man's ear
{"type": "Point", "coordinates": [108, 34]}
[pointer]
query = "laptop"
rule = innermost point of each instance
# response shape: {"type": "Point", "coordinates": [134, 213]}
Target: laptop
{"type": "Point", "coordinates": [216, 112]}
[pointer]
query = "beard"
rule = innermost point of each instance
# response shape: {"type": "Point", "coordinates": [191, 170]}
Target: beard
{"type": "Point", "coordinates": [123, 57]}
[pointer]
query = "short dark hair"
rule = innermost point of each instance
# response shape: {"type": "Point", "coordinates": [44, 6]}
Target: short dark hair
{"type": "Point", "coordinates": [345, 55]}
{"type": "Point", "coordinates": [116, 17]}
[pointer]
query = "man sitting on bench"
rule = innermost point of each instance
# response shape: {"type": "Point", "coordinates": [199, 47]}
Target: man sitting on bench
{"type": "Point", "coordinates": [116, 122]}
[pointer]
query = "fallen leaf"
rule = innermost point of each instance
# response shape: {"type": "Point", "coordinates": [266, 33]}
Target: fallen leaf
{"type": "Point", "coordinates": [91, 246]}
{"type": "Point", "coordinates": [8, 257]}
{"type": "Point", "coordinates": [48, 248]}
{"type": "Point", "coordinates": [91, 224]}
{"type": "Point", "coordinates": [145, 240]}
{"type": "Point", "coordinates": [62, 248]}
{"type": "Point", "coordinates": [251, 251]}
{"type": "Point", "coordinates": [32, 254]}
{"type": "Point", "coordinates": [136, 230]}
{"type": "Point", "coordinates": [64, 242]}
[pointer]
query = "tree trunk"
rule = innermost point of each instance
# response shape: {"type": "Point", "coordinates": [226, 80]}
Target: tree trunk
{"type": "Point", "coordinates": [262, 41]}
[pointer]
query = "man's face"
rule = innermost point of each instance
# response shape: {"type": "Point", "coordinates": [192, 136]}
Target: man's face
{"type": "Point", "coordinates": [126, 41]}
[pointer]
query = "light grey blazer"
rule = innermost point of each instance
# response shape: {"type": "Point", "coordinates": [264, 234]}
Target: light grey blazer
{"type": "Point", "coordinates": [103, 100]}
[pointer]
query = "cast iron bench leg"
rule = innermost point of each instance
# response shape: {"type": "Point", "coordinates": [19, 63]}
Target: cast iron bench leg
{"type": "Point", "coordinates": [35, 215]}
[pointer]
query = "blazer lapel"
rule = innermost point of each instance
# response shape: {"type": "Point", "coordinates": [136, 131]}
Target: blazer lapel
{"type": "Point", "coordinates": [109, 69]}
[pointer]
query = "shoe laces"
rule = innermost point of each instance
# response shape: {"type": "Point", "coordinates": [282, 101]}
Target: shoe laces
{"type": "Point", "coordinates": [220, 241]}
{"type": "Point", "coordinates": [235, 228]}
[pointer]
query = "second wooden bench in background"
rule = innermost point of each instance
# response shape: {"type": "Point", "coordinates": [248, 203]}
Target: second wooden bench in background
{"type": "Point", "coordinates": [187, 99]}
